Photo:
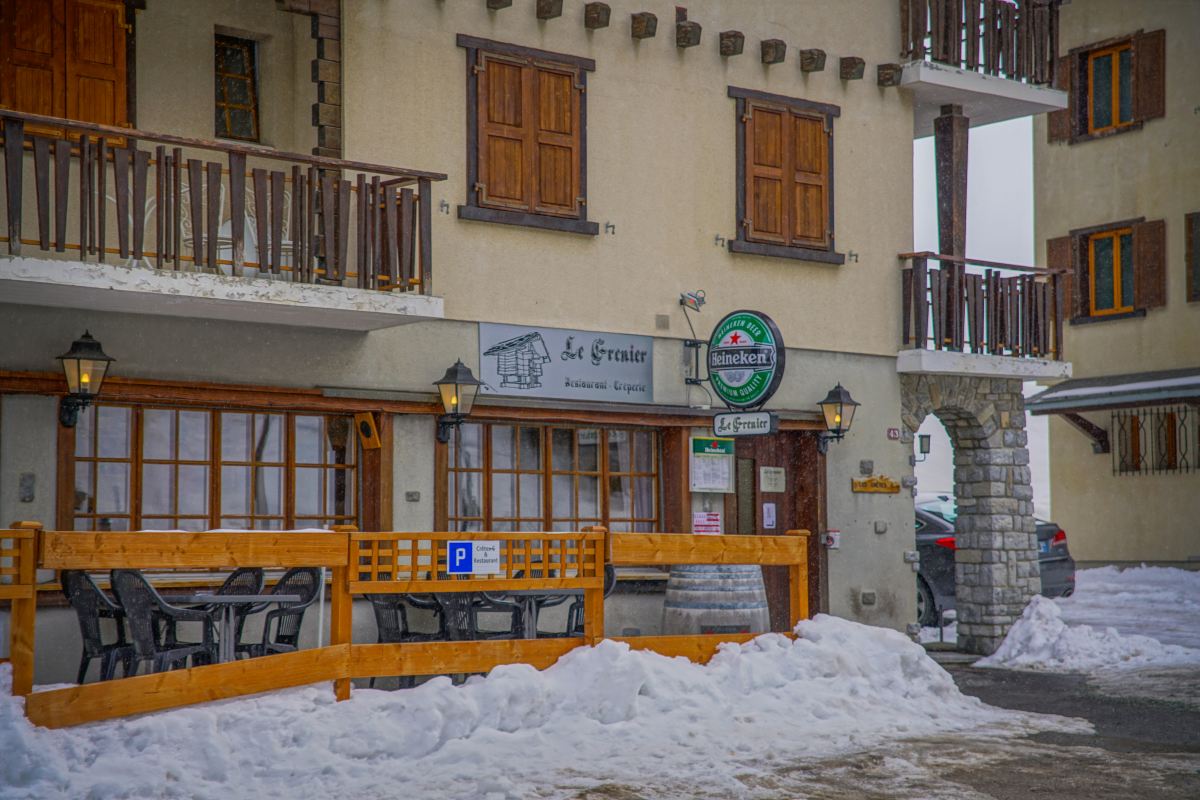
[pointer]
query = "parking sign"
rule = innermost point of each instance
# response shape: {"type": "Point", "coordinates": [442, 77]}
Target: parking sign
{"type": "Point", "coordinates": [459, 558]}
{"type": "Point", "coordinates": [473, 558]}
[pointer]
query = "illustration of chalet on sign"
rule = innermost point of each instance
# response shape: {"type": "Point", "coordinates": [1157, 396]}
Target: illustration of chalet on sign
{"type": "Point", "coordinates": [519, 361]}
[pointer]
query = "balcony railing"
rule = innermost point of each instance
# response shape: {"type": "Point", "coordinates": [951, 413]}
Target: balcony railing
{"type": "Point", "coordinates": [1017, 40]}
{"type": "Point", "coordinates": [951, 309]}
{"type": "Point", "coordinates": [215, 207]}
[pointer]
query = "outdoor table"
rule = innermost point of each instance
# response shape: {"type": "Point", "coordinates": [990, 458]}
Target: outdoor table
{"type": "Point", "coordinates": [226, 650]}
{"type": "Point", "coordinates": [528, 599]}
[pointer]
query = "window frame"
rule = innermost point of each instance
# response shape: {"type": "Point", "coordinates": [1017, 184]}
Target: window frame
{"type": "Point", "coordinates": [1123, 305]}
{"type": "Point", "coordinates": [250, 48]}
{"type": "Point", "coordinates": [1073, 74]}
{"type": "Point", "coordinates": [745, 245]}
{"type": "Point", "coordinates": [1114, 51]}
{"type": "Point", "coordinates": [472, 210]}
{"type": "Point", "coordinates": [1080, 272]}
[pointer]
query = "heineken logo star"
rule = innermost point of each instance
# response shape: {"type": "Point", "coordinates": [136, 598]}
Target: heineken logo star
{"type": "Point", "coordinates": [735, 339]}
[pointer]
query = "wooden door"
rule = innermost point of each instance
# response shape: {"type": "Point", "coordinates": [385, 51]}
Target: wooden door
{"type": "Point", "coordinates": [799, 507]}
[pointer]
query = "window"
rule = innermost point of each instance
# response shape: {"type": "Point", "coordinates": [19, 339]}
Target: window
{"type": "Point", "coordinates": [1112, 87]}
{"type": "Point", "coordinates": [785, 177]}
{"type": "Point", "coordinates": [237, 89]}
{"type": "Point", "coordinates": [64, 58]}
{"type": "Point", "coordinates": [1152, 440]}
{"type": "Point", "coordinates": [512, 478]}
{"type": "Point", "coordinates": [527, 137]}
{"type": "Point", "coordinates": [1114, 271]}
{"type": "Point", "coordinates": [1191, 224]}
{"type": "Point", "coordinates": [150, 468]}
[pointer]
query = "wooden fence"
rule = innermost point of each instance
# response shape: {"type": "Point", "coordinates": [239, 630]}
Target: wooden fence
{"type": "Point", "coordinates": [363, 562]}
{"type": "Point", "coordinates": [951, 309]}
{"type": "Point", "coordinates": [196, 211]}
{"type": "Point", "coordinates": [1018, 39]}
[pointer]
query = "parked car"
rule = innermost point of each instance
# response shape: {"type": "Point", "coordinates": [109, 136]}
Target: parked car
{"type": "Point", "coordinates": [935, 543]}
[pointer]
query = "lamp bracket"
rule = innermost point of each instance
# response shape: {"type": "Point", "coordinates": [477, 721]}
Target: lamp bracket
{"type": "Point", "coordinates": [70, 408]}
{"type": "Point", "coordinates": [446, 424]}
{"type": "Point", "coordinates": [823, 440]}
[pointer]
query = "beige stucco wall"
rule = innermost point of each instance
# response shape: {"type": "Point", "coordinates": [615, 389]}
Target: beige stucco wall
{"type": "Point", "coordinates": [1152, 173]}
{"type": "Point", "coordinates": [661, 164]}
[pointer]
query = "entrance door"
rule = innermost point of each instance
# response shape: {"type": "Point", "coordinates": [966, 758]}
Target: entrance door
{"type": "Point", "coordinates": [757, 497]}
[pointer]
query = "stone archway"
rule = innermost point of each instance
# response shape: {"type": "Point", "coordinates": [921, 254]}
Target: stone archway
{"type": "Point", "coordinates": [996, 563]}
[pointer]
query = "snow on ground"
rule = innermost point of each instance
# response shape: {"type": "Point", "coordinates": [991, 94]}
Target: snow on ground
{"type": "Point", "coordinates": [1160, 602]}
{"type": "Point", "coordinates": [601, 714]}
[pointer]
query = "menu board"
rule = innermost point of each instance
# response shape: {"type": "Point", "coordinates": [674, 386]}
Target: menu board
{"type": "Point", "coordinates": [712, 465]}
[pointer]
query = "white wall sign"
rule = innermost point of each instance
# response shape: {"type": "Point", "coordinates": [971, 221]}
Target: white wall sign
{"type": "Point", "coordinates": [526, 361]}
{"type": "Point", "coordinates": [746, 423]}
{"type": "Point", "coordinates": [711, 465]}
{"type": "Point", "coordinates": [772, 479]}
{"type": "Point", "coordinates": [769, 516]}
{"type": "Point", "coordinates": [473, 558]}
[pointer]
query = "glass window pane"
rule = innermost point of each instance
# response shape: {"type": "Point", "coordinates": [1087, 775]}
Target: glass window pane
{"type": "Point", "coordinates": [339, 488]}
{"type": "Point", "coordinates": [589, 450]}
{"type": "Point", "coordinates": [618, 451]}
{"type": "Point", "coordinates": [193, 489]}
{"type": "Point", "coordinates": [85, 432]}
{"type": "Point", "coordinates": [619, 527]}
{"type": "Point", "coordinates": [643, 498]}
{"type": "Point", "coordinates": [502, 526]}
{"type": "Point", "coordinates": [235, 61]}
{"type": "Point", "coordinates": [562, 450]}
{"type": "Point", "coordinates": [309, 491]}
{"type": "Point", "coordinates": [531, 527]}
{"type": "Point", "coordinates": [470, 526]}
{"type": "Point", "coordinates": [268, 438]}
{"type": "Point", "coordinates": [220, 120]}
{"type": "Point", "coordinates": [589, 496]}
{"type": "Point", "coordinates": [643, 451]}
{"type": "Point", "coordinates": [504, 495]}
{"type": "Point", "coordinates": [193, 435]}
{"type": "Point", "coordinates": [192, 525]}
{"type": "Point", "coordinates": [158, 434]}
{"type": "Point", "coordinates": [1127, 269]}
{"type": "Point", "coordinates": [643, 527]}
{"type": "Point", "coordinates": [112, 488]}
{"type": "Point", "coordinates": [619, 504]}
{"type": "Point", "coordinates": [531, 449]}
{"type": "Point", "coordinates": [268, 490]}
{"type": "Point", "coordinates": [235, 437]}
{"type": "Point", "coordinates": [451, 496]}
{"type": "Point", "coordinates": [310, 446]}
{"type": "Point", "coordinates": [470, 446]}
{"type": "Point", "coordinates": [85, 473]}
{"type": "Point", "coordinates": [470, 494]}
{"type": "Point", "coordinates": [153, 524]}
{"type": "Point", "coordinates": [236, 524]}
{"type": "Point", "coordinates": [1102, 273]}
{"type": "Point", "coordinates": [301, 524]}
{"type": "Point", "coordinates": [504, 451]}
{"type": "Point", "coordinates": [83, 524]}
{"type": "Point", "coordinates": [158, 489]}
{"type": "Point", "coordinates": [112, 523]}
{"type": "Point", "coordinates": [531, 496]}
{"type": "Point", "coordinates": [113, 428]}
{"type": "Point", "coordinates": [235, 490]}
{"type": "Point", "coordinates": [237, 91]}
{"type": "Point", "coordinates": [268, 525]}
{"type": "Point", "coordinates": [1125, 85]}
{"type": "Point", "coordinates": [1102, 110]}
{"type": "Point", "coordinates": [562, 495]}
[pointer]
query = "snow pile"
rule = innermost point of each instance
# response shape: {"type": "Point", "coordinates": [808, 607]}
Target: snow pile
{"type": "Point", "coordinates": [1162, 602]}
{"type": "Point", "coordinates": [947, 635]}
{"type": "Point", "coordinates": [1040, 640]}
{"type": "Point", "coordinates": [603, 713]}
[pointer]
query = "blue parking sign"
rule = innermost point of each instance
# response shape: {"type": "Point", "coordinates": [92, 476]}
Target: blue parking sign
{"type": "Point", "coordinates": [460, 558]}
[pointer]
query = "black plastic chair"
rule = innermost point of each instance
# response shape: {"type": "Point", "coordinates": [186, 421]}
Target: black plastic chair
{"type": "Point", "coordinates": [391, 620]}
{"type": "Point", "coordinates": [90, 606]}
{"type": "Point", "coordinates": [243, 580]}
{"type": "Point", "coordinates": [144, 607]}
{"type": "Point", "coordinates": [288, 617]}
{"type": "Point", "coordinates": [575, 612]}
{"type": "Point", "coordinates": [459, 620]}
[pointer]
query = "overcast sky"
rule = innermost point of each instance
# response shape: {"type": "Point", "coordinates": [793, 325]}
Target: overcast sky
{"type": "Point", "coordinates": [999, 228]}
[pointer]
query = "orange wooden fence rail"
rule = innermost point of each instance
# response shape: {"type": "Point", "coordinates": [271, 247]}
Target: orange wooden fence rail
{"type": "Point", "coordinates": [361, 562]}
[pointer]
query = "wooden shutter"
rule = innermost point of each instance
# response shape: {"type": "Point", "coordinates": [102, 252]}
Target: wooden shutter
{"type": "Point", "coordinates": [809, 212]}
{"type": "Point", "coordinates": [1058, 256]}
{"type": "Point", "coordinates": [766, 216]}
{"type": "Point", "coordinates": [1191, 224]}
{"type": "Point", "coordinates": [556, 150]}
{"type": "Point", "coordinates": [95, 64]}
{"type": "Point", "coordinates": [505, 144]}
{"type": "Point", "coordinates": [1150, 264]}
{"type": "Point", "coordinates": [1149, 75]}
{"type": "Point", "coordinates": [1059, 122]}
{"type": "Point", "coordinates": [32, 63]}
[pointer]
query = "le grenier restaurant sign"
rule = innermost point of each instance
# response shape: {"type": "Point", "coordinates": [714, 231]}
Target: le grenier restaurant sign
{"type": "Point", "coordinates": [745, 359]}
{"type": "Point", "coordinates": [525, 361]}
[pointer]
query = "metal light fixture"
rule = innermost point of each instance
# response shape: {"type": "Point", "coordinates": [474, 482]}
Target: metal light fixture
{"type": "Point", "coordinates": [85, 365]}
{"type": "Point", "coordinates": [458, 389]}
{"type": "Point", "coordinates": [838, 409]}
{"type": "Point", "coordinates": [923, 446]}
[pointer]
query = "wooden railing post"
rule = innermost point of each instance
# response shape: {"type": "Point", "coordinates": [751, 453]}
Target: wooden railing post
{"type": "Point", "coordinates": [341, 604]}
{"type": "Point", "coordinates": [24, 607]}
{"type": "Point", "coordinates": [798, 581]}
{"type": "Point", "coordinates": [593, 599]}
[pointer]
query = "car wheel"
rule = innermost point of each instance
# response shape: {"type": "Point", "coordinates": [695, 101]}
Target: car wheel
{"type": "Point", "coordinates": [927, 615]}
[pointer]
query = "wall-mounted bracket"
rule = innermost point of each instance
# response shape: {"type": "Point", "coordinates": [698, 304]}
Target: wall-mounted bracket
{"type": "Point", "coordinates": [1098, 435]}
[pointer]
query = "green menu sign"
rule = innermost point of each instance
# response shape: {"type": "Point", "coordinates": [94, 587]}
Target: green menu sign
{"type": "Point", "coordinates": [745, 359]}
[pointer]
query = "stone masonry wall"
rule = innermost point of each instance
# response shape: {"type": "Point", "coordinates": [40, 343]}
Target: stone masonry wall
{"type": "Point", "coordinates": [996, 561]}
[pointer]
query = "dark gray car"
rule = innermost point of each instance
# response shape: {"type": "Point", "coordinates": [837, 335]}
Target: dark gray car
{"type": "Point", "coordinates": [935, 543]}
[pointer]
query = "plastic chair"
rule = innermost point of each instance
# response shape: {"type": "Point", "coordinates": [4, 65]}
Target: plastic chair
{"type": "Point", "coordinates": [391, 620]}
{"type": "Point", "coordinates": [243, 580]}
{"type": "Point", "coordinates": [90, 605]}
{"type": "Point", "coordinates": [459, 620]}
{"type": "Point", "coordinates": [144, 607]}
{"type": "Point", "coordinates": [288, 617]}
{"type": "Point", "coordinates": [575, 612]}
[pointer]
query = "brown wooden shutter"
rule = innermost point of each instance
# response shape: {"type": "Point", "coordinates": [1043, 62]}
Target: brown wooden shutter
{"type": "Point", "coordinates": [505, 144]}
{"type": "Point", "coordinates": [1150, 264]}
{"type": "Point", "coordinates": [1149, 75]}
{"type": "Point", "coordinates": [1059, 122]}
{"type": "Point", "coordinates": [1191, 224]}
{"type": "Point", "coordinates": [1058, 256]}
{"type": "Point", "coordinates": [766, 215]}
{"type": "Point", "coordinates": [32, 57]}
{"type": "Point", "coordinates": [95, 61]}
{"type": "Point", "coordinates": [556, 150]}
{"type": "Point", "coordinates": [809, 212]}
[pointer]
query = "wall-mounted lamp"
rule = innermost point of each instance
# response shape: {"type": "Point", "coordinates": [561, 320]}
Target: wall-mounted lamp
{"type": "Point", "coordinates": [923, 446]}
{"type": "Point", "coordinates": [838, 409]}
{"type": "Point", "coordinates": [692, 301]}
{"type": "Point", "coordinates": [458, 388]}
{"type": "Point", "coordinates": [85, 366]}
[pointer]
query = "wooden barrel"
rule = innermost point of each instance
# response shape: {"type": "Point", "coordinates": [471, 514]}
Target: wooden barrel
{"type": "Point", "coordinates": [728, 598]}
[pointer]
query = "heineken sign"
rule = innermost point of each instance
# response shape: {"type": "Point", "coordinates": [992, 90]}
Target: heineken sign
{"type": "Point", "coordinates": [745, 359]}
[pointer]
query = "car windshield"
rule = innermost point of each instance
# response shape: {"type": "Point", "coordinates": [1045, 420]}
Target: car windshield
{"type": "Point", "coordinates": [941, 505]}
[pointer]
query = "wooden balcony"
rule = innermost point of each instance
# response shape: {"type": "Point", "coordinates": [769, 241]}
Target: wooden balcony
{"type": "Point", "coordinates": [214, 214]}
